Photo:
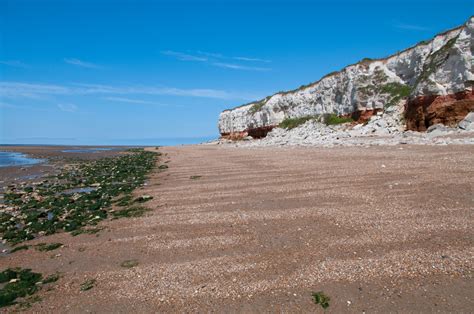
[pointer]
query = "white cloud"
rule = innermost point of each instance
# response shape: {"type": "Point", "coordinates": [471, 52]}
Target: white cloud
{"type": "Point", "coordinates": [67, 107]}
{"type": "Point", "coordinates": [81, 63]}
{"type": "Point", "coordinates": [211, 54]}
{"type": "Point", "coordinates": [411, 27]}
{"type": "Point", "coordinates": [252, 59]}
{"type": "Point", "coordinates": [133, 101]}
{"type": "Point", "coordinates": [23, 107]}
{"type": "Point", "coordinates": [214, 59]}
{"type": "Point", "coordinates": [7, 105]}
{"type": "Point", "coordinates": [27, 90]}
{"type": "Point", "coordinates": [183, 56]}
{"type": "Point", "coordinates": [13, 63]}
{"type": "Point", "coordinates": [239, 67]}
{"type": "Point", "coordinates": [31, 90]}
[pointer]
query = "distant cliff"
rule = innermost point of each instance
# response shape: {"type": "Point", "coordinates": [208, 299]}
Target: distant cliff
{"type": "Point", "coordinates": [434, 79]}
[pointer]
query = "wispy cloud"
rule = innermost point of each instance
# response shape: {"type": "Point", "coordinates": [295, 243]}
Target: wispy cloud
{"type": "Point", "coordinates": [28, 90]}
{"type": "Point", "coordinates": [221, 56]}
{"type": "Point", "coordinates": [183, 56]}
{"type": "Point", "coordinates": [210, 54]}
{"type": "Point", "coordinates": [31, 90]}
{"type": "Point", "coordinates": [218, 60]}
{"type": "Point", "coordinates": [4, 105]}
{"type": "Point", "coordinates": [252, 59]}
{"type": "Point", "coordinates": [239, 67]}
{"type": "Point", "coordinates": [411, 27]}
{"type": "Point", "coordinates": [133, 101]}
{"type": "Point", "coordinates": [7, 105]}
{"type": "Point", "coordinates": [13, 63]}
{"type": "Point", "coordinates": [81, 63]}
{"type": "Point", "coordinates": [67, 107]}
{"type": "Point", "coordinates": [153, 90]}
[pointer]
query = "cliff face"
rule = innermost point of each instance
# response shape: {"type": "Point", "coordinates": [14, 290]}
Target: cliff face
{"type": "Point", "coordinates": [435, 77]}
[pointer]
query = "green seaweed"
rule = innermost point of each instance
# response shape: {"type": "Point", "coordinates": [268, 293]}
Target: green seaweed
{"type": "Point", "coordinates": [20, 248]}
{"type": "Point", "coordinates": [321, 299]}
{"type": "Point", "coordinates": [143, 199]}
{"type": "Point", "coordinates": [19, 283]}
{"type": "Point", "coordinates": [45, 247]}
{"type": "Point", "coordinates": [135, 211]}
{"type": "Point", "coordinates": [129, 263]}
{"type": "Point", "coordinates": [28, 302]}
{"type": "Point", "coordinates": [86, 231]}
{"type": "Point", "coordinates": [52, 278]}
{"type": "Point", "coordinates": [124, 200]}
{"type": "Point", "coordinates": [49, 207]}
{"type": "Point", "coordinates": [88, 284]}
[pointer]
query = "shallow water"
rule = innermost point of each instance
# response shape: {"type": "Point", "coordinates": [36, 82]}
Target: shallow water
{"type": "Point", "coordinates": [8, 159]}
{"type": "Point", "coordinates": [87, 150]}
{"type": "Point", "coordinates": [80, 190]}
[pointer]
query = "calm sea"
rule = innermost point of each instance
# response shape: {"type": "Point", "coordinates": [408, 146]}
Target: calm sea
{"type": "Point", "coordinates": [166, 141]}
{"type": "Point", "coordinates": [16, 159]}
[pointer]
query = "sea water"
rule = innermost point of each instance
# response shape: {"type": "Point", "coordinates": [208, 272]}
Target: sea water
{"type": "Point", "coordinates": [8, 159]}
{"type": "Point", "coordinates": [87, 150]}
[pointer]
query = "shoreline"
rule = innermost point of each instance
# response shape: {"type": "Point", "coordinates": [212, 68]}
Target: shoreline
{"type": "Point", "coordinates": [54, 160]}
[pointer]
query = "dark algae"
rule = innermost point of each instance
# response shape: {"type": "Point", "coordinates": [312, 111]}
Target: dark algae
{"type": "Point", "coordinates": [134, 211]}
{"type": "Point", "coordinates": [47, 207]}
{"type": "Point", "coordinates": [21, 283]}
{"type": "Point", "coordinates": [88, 284]}
{"type": "Point", "coordinates": [45, 247]}
{"type": "Point", "coordinates": [129, 263]}
{"type": "Point", "coordinates": [42, 247]}
{"type": "Point", "coordinates": [75, 201]}
{"type": "Point", "coordinates": [321, 299]}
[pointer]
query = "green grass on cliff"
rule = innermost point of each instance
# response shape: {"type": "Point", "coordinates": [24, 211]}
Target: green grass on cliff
{"type": "Point", "coordinates": [397, 91]}
{"type": "Point", "coordinates": [333, 119]}
{"type": "Point", "coordinates": [257, 107]}
{"type": "Point", "coordinates": [291, 123]}
{"type": "Point", "coordinates": [328, 119]}
{"type": "Point", "coordinates": [435, 60]}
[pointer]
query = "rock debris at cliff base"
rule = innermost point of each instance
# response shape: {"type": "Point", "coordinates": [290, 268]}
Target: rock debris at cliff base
{"type": "Point", "coordinates": [384, 128]}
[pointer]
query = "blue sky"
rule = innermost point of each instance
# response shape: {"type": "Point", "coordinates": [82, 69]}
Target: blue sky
{"type": "Point", "coordinates": [133, 72]}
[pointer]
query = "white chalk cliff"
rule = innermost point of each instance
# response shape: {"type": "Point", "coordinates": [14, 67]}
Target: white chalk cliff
{"type": "Point", "coordinates": [425, 76]}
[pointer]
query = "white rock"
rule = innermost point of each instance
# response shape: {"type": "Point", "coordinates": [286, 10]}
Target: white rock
{"type": "Point", "coordinates": [468, 122]}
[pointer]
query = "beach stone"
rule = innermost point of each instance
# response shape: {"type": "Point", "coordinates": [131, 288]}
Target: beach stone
{"type": "Point", "coordinates": [468, 122]}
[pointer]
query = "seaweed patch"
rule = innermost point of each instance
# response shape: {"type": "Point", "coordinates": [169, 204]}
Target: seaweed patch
{"type": "Point", "coordinates": [77, 199]}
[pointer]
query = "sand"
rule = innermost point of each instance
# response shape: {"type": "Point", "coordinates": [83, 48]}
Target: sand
{"type": "Point", "coordinates": [377, 229]}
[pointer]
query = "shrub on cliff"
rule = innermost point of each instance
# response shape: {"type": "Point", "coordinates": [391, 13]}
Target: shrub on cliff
{"type": "Point", "coordinates": [257, 107]}
{"type": "Point", "coordinates": [396, 91]}
{"type": "Point", "coordinates": [291, 123]}
{"type": "Point", "coordinates": [333, 119]}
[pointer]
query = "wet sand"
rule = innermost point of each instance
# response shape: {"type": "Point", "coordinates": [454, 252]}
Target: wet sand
{"type": "Point", "coordinates": [379, 229]}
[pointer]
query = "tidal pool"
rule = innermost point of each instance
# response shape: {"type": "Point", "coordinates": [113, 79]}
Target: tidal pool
{"type": "Point", "coordinates": [87, 150]}
{"type": "Point", "coordinates": [80, 190]}
{"type": "Point", "coordinates": [8, 159]}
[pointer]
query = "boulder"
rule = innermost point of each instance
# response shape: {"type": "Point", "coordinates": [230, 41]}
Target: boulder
{"type": "Point", "coordinates": [467, 123]}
